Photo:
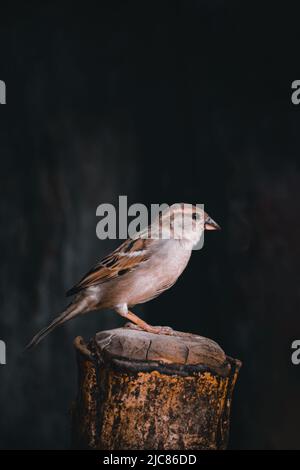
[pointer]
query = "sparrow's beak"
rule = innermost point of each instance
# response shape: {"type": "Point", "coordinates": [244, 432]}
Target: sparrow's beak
{"type": "Point", "coordinates": [210, 224]}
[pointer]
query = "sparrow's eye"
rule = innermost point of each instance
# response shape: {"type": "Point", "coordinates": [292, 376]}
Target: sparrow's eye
{"type": "Point", "coordinates": [195, 216]}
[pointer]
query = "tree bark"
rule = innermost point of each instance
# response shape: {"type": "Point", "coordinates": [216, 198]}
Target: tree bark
{"type": "Point", "coordinates": [139, 390]}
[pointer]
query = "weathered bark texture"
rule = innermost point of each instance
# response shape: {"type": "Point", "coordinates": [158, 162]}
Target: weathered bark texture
{"type": "Point", "coordinates": [143, 391]}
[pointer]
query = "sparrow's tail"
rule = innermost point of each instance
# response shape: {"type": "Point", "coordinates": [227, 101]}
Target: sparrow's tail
{"type": "Point", "coordinates": [71, 311]}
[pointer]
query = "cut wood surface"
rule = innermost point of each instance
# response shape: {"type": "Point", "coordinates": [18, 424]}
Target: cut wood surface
{"type": "Point", "coordinates": [139, 390]}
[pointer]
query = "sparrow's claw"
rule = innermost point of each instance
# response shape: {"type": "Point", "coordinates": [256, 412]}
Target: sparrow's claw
{"type": "Point", "coordinates": [164, 330]}
{"type": "Point", "coordinates": [141, 325]}
{"type": "Point", "coordinates": [167, 330]}
{"type": "Point", "coordinates": [157, 330]}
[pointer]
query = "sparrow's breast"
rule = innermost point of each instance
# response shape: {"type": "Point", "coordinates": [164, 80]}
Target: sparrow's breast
{"type": "Point", "coordinates": [165, 264]}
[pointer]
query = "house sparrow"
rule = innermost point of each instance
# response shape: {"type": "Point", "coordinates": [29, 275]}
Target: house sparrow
{"type": "Point", "coordinates": [140, 269]}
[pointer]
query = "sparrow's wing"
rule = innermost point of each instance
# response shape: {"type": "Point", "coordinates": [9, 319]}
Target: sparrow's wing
{"type": "Point", "coordinates": [124, 259]}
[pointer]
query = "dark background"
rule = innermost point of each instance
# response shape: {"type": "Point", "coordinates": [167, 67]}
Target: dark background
{"type": "Point", "coordinates": [163, 102]}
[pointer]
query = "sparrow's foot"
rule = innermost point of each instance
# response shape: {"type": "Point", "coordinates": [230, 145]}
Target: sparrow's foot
{"type": "Point", "coordinates": [139, 324]}
{"type": "Point", "coordinates": [142, 325]}
{"type": "Point", "coordinates": [159, 330]}
{"type": "Point", "coordinates": [163, 330]}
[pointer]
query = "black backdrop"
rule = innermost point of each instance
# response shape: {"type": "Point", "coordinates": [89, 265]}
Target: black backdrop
{"type": "Point", "coordinates": [163, 102]}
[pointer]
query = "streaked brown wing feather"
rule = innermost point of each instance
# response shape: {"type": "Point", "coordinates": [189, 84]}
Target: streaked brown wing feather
{"type": "Point", "coordinates": [114, 265]}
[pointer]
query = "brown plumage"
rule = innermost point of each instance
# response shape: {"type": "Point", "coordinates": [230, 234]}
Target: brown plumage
{"type": "Point", "coordinates": [116, 264]}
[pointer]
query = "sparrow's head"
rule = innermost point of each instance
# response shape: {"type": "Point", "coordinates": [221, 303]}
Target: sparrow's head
{"type": "Point", "coordinates": [186, 222]}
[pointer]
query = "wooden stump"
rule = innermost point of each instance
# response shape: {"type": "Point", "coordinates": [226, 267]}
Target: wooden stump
{"type": "Point", "coordinates": [139, 390]}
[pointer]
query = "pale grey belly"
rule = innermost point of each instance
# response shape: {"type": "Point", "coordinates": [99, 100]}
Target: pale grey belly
{"type": "Point", "coordinates": [144, 283]}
